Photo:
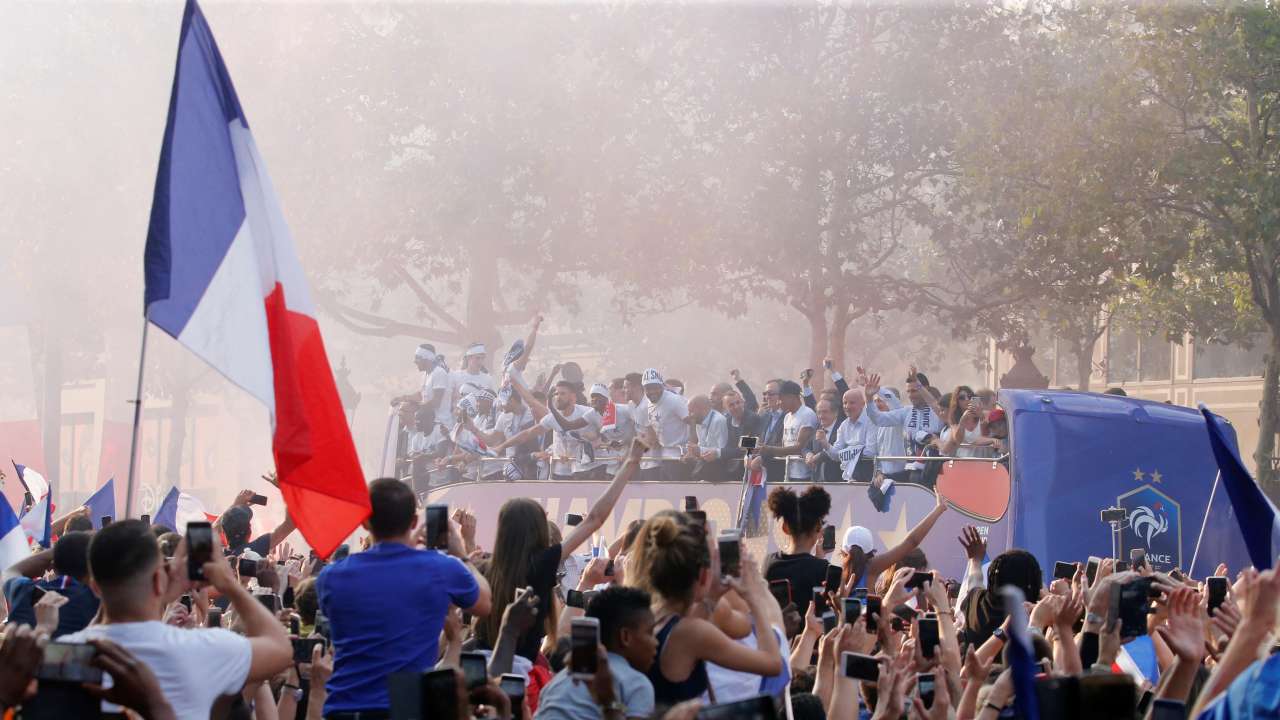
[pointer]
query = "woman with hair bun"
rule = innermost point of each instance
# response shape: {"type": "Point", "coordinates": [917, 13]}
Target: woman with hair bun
{"type": "Point", "coordinates": [802, 517]}
{"type": "Point", "coordinates": [677, 563]}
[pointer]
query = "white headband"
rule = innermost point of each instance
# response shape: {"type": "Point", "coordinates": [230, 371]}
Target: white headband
{"type": "Point", "coordinates": [477, 349]}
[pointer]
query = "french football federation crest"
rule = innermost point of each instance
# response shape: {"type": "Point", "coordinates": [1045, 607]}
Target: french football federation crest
{"type": "Point", "coordinates": [1154, 524]}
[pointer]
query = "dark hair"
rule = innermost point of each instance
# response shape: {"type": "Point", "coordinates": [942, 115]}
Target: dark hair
{"type": "Point", "coordinates": [807, 706]}
{"type": "Point", "coordinates": [122, 551]}
{"type": "Point", "coordinates": [393, 506]}
{"type": "Point", "coordinates": [616, 607]}
{"type": "Point", "coordinates": [788, 387]}
{"type": "Point", "coordinates": [616, 384]}
{"type": "Point", "coordinates": [956, 406]}
{"type": "Point", "coordinates": [305, 600]}
{"type": "Point", "coordinates": [71, 554]}
{"type": "Point", "coordinates": [1115, 391]}
{"type": "Point", "coordinates": [674, 555]}
{"type": "Point", "coordinates": [160, 530]}
{"type": "Point", "coordinates": [800, 515]}
{"type": "Point", "coordinates": [79, 523]}
{"type": "Point", "coordinates": [572, 387]}
{"type": "Point", "coordinates": [920, 378]}
{"type": "Point", "coordinates": [523, 530]}
{"type": "Point", "coordinates": [235, 525]}
{"type": "Point", "coordinates": [633, 377]}
{"type": "Point", "coordinates": [1018, 568]}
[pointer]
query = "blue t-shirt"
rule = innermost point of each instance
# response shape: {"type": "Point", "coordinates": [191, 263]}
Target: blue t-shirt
{"type": "Point", "coordinates": [1254, 693]}
{"type": "Point", "coordinates": [75, 616]}
{"type": "Point", "coordinates": [386, 608]}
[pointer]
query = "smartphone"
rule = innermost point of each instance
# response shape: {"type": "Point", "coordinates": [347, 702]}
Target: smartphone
{"type": "Point", "coordinates": [860, 667]}
{"type": "Point", "coordinates": [852, 610]}
{"type": "Point", "coordinates": [295, 625]}
{"type": "Point", "coordinates": [304, 647]}
{"type": "Point", "coordinates": [1166, 709]}
{"type": "Point", "coordinates": [199, 548]}
{"type": "Point", "coordinates": [919, 578]}
{"type": "Point", "coordinates": [1217, 586]}
{"type": "Point", "coordinates": [1064, 570]}
{"type": "Point", "coordinates": [928, 634]}
{"type": "Point", "coordinates": [781, 591]}
{"type": "Point", "coordinates": [146, 519]}
{"type": "Point", "coordinates": [1138, 558]}
{"type": "Point", "coordinates": [760, 707]}
{"type": "Point", "coordinates": [258, 500]}
{"type": "Point", "coordinates": [828, 622]}
{"type": "Point", "coordinates": [819, 600]}
{"type": "Point", "coordinates": [698, 517]}
{"type": "Point", "coordinates": [247, 568]}
{"type": "Point", "coordinates": [513, 687]}
{"type": "Point", "coordinates": [572, 519]}
{"type": "Point", "coordinates": [69, 662]}
{"type": "Point", "coordinates": [730, 542]}
{"type": "Point", "coordinates": [1122, 566]}
{"type": "Point", "coordinates": [579, 599]}
{"type": "Point", "coordinates": [584, 639]}
{"type": "Point", "coordinates": [835, 574]}
{"type": "Point", "coordinates": [829, 538]}
{"type": "Point", "coordinates": [748, 442]}
{"type": "Point", "coordinates": [608, 568]}
{"type": "Point", "coordinates": [475, 669]}
{"type": "Point", "coordinates": [872, 612]}
{"type": "Point", "coordinates": [37, 592]}
{"type": "Point", "coordinates": [438, 691]}
{"type": "Point", "coordinates": [438, 526]}
{"type": "Point", "coordinates": [1129, 603]}
{"type": "Point", "coordinates": [105, 520]}
{"type": "Point", "coordinates": [860, 593]}
{"type": "Point", "coordinates": [186, 601]}
{"type": "Point", "coordinates": [270, 601]}
{"type": "Point", "coordinates": [213, 618]}
{"type": "Point", "coordinates": [1091, 568]}
{"type": "Point", "coordinates": [924, 688]}
{"type": "Point", "coordinates": [287, 598]}
{"type": "Point", "coordinates": [690, 502]}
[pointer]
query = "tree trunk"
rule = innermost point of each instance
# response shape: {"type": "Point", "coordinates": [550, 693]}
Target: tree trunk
{"type": "Point", "coordinates": [840, 321]}
{"type": "Point", "coordinates": [1084, 365]}
{"type": "Point", "coordinates": [177, 434]}
{"type": "Point", "coordinates": [482, 286]}
{"type": "Point", "coordinates": [1270, 414]}
{"type": "Point", "coordinates": [818, 340]}
{"type": "Point", "coordinates": [51, 420]}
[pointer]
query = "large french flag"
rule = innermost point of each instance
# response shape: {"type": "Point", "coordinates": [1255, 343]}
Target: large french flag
{"type": "Point", "coordinates": [222, 278]}
{"type": "Point", "coordinates": [1257, 516]}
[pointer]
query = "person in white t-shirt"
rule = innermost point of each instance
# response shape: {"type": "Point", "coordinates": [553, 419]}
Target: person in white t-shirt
{"type": "Point", "coordinates": [633, 387]}
{"type": "Point", "coordinates": [574, 428]}
{"type": "Point", "coordinates": [798, 428]}
{"type": "Point", "coordinates": [662, 418]}
{"type": "Point", "coordinates": [473, 376]}
{"type": "Point", "coordinates": [617, 427]}
{"type": "Point", "coordinates": [193, 666]}
{"type": "Point", "coordinates": [514, 417]}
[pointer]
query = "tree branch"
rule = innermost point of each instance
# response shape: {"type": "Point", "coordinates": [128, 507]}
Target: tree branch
{"type": "Point", "coordinates": [425, 298]}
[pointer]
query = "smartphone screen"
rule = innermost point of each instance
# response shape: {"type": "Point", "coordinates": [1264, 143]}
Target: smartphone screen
{"type": "Point", "coordinates": [924, 688]}
{"type": "Point", "coordinates": [829, 538]}
{"type": "Point", "coordinates": [928, 628]}
{"type": "Point", "coordinates": [574, 599]}
{"type": "Point", "coordinates": [199, 548]}
{"type": "Point", "coordinates": [690, 502]}
{"type": "Point", "coordinates": [258, 500]}
{"type": "Point", "coordinates": [269, 601]}
{"type": "Point", "coordinates": [513, 687]}
{"type": "Point", "coordinates": [572, 519]}
{"type": "Point", "coordinates": [608, 568]}
{"type": "Point", "coordinates": [146, 519]}
{"type": "Point", "coordinates": [584, 637]}
{"type": "Point", "coordinates": [872, 609]}
{"type": "Point", "coordinates": [1122, 566]}
{"type": "Point", "coordinates": [1064, 570]}
{"type": "Point", "coordinates": [860, 667]}
{"type": "Point", "coordinates": [1217, 586]}
{"type": "Point", "coordinates": [69, 662]}
{"type": "Point", "coordinates": [781, 591]}
{"type": "Point", "coordinates": [919, 578]}
{"type": "Point", "coordinates": [760, 707]}
{"type": "Point", "coordinates": [186, 601]}
{"type": "Point", "coordinates": [214, 618]}
{"type": "Point", "coordinates": [304, 647]}
{"type": "Point", "coordinates": [828, 622]}
{"type": "Point", "coordinates": [295, 625]}
{"type": "Point", "coordinates": [730, 553]}
{"type": "Point", "coordinates": [1137, 558]}
{"type": "Point", "coordinates": [1166, 709]}
{"type": "Point", "coordinates": [1091, 569]}
{"type": "Point", "coordinates": [835, 574]}
{"type": "Point", "coordinates": [247, 568]}
{"type": "Point", "coordinates": [474, 669]}
{"type": "Point", "coordinates": [819, 600]}
{"type": "Point", "coordinates": [438, 526]}
{"type": "Point", "coordinates": [852, 610]}
{"type": "Point", "coordinates": [439, 693]}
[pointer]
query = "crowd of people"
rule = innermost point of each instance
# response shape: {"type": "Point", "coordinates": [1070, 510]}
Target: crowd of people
{"type": "Point", "coordinates": [674, 618]}
{"type": "Point", "coordinates": [466, 424]}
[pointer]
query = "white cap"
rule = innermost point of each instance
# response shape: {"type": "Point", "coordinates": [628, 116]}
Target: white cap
{"type": "Point", "coordinates": [651, 377]}
{"type": "Point", "coordinates": [860, 536]}
{"type": "Point", "coordinates": [424, 352]}
{"type": "Point", "coordinates": [475, 349]}
{"type": "Point", "coordinates": [599, 389]}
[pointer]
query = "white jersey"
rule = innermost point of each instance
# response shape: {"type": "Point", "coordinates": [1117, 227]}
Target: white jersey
{"type": "Point", "coordinates": [572, 448]}
{"type": "Point", "coordinates": [667, 418]}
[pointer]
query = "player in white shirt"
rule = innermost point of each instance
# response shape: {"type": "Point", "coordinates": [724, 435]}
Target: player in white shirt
{"type": "Point", "coordinates": [473, 376]}
{"type": "Point", "coordinates": [661, 417]}
{"type": "Point", "coordinates": [617, 427]}
{"type": "Point", "coordinates": [798, 428]}
{"type": "Point", "coordinates": [570, 448]}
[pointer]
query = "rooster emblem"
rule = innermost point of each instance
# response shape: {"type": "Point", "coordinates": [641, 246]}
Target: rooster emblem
{"type": "Point", "coordinates": [1146, 523]}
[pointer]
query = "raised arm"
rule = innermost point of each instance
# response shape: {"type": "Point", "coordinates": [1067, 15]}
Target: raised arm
{"type": "Point", "coordinates": [529, 341]}
{"type": "Point", "coordinates": [882, 419]}
{"type": "Point", "coordinates": [890, 557]}
{"type": "Point", "coordinates": [536, 406]}
{"type": "Point", "coordinates": [604, 506]}
{"type": "Point", "coordinates": [748, 397]}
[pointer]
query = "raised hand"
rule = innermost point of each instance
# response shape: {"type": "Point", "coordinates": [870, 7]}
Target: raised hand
{"type": "Point", "coordinates": [20, 655]}
{"type": "Point", "coordinates": [47, 611]}
{"type": "Point", "coordinates": [872, 386]}
{"type": "Point", "coordinates": [975, 548]}
{"type": "Point", "coordinates": [1183, 631]}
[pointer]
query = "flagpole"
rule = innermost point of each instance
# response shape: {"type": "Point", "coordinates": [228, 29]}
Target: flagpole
{"type": "Point", "coordinates": [1203, 523]}
{"type": "Point", "coordinates": [137, 421]}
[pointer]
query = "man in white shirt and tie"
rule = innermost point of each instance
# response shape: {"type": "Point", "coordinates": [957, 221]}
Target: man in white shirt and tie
{"type": "Point", "coordinates": [711, 432]}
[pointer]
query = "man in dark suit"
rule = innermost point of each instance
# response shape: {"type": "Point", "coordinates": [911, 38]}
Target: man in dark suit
{"type": "Point", "coordinates": [842, 387]}
{"type": "Point", "coordinates": [741, 422]}
{"type": "Point", "coordinates": [825, 469]}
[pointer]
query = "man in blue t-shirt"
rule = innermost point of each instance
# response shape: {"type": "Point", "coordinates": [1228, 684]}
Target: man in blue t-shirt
{"type": "Point", "coordinates": [386, 606]}
{"type": "Point", "coordinates": [69, 559]}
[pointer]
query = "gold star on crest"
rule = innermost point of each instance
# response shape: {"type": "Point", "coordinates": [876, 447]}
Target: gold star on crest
{"type": "Point", "coordinates": [1156, 476]}
{"type": "Point", "coordinates": [891, 538]}
{"type": "Point", "coordinates": [1138, 475]}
